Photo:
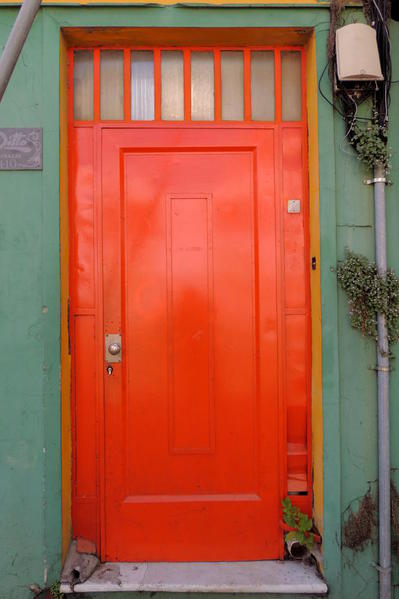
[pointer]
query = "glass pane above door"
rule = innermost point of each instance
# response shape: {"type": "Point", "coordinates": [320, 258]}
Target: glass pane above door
{"type": "Point", "coordinates": [83, 106]}
{"type": "Point", "coordinates": [111, 80]}
{"type": "Point", "coordinates": [291, 88]}
{"type": "Point", "coordinates": [172, 85]}
{"type": "Point", "coordinates": [232, 94]}
{"type": "Point", "coordinates": [262, 85]}
{"type": "Point", "coordinates": [202, 86]}
{"type": "Point", "coordinates": [197, 85]}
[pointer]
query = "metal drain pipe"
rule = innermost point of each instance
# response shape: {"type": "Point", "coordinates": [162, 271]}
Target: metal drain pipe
{"type": "Point", "coordinates": [384, 467]}
{"type": "Point", "coordinates": [16, 40]}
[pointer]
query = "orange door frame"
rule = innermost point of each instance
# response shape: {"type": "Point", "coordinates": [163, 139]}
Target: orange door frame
{"type": "Point", "coordinates": [313, 246]}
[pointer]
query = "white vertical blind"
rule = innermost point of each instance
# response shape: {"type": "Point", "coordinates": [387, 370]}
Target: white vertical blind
{"type": "Point", "coordinates": [142, 85]}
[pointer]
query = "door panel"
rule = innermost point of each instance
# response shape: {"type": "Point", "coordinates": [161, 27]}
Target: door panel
{"type": "Point", "coordinates": [189, 280]}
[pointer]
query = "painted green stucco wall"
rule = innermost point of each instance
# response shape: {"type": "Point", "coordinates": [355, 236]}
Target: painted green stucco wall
{"type": "Point", "coordinates": [30, 462]}
{"type": "Point", "coordinates": [30, 507]}
{"type": "Point", "coordinates": [393, 254]}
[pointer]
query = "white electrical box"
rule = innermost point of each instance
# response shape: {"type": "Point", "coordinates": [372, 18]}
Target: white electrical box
{"type": "Point", "coordinates": [357, 53]}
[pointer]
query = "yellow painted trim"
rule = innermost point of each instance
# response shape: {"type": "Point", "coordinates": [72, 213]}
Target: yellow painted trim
{"type": "Point", "coordinates": [174, 2]}
{"type": "Point", "coordinates": [66, 440]}
{"type": "Point", "coordinates": [313, 163]}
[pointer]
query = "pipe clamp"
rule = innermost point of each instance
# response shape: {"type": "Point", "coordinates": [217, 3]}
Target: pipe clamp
{"type": "Point", "coordinates": [386, 570]}
{"type": "Point", "coordinates": [376, 180]}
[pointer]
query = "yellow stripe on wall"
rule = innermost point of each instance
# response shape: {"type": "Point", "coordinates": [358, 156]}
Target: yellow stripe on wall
{"type": "Point", "coordinates": [66, 440]}
{"type": "Point", "coordinates": [313, 159]}
{"type": "Point", "coordinates": [172, 2]}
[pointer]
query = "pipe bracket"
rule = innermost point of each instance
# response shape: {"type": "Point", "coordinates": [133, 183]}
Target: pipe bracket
{"type": "Point", "coordinates": [386, 570]}
{"type": "Point", "coordinates": [377, 180]}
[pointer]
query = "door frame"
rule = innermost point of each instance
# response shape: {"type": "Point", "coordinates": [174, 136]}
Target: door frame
{"type": "Point", "coordinates": [314, 252]}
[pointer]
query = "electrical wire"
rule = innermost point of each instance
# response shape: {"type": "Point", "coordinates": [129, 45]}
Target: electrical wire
{"type": "Point", "coordinates": [379, 15]}
{"type": "Point", "coordinates": [377, 12]}
{"type": "Point", "coordinates": [349, 131]}
{"type": "Point", "coordinates": [334, 106]}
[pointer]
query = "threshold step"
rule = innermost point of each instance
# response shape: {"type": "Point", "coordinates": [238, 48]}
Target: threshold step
{"type": "Point", "coordinates": [204, 577]}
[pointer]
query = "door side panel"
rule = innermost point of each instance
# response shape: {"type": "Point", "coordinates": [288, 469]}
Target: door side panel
{"type": "Point", "coordinates": [82, 329]}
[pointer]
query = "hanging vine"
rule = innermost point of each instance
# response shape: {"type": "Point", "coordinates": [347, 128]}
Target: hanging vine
{"type": "Point", "coordinates": [370, 143]}
{"type": "Point", "coordinates": [370, 293]}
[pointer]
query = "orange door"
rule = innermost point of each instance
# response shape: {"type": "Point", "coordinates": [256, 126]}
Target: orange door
{"type": "Point", "coordinates": [189, 281]}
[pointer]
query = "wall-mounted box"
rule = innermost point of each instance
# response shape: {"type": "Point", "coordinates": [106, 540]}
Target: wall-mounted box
{"type": "Point", "coordinates": [357, 53]}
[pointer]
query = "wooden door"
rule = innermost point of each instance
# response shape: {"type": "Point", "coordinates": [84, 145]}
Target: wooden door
{"type": "Point", "coordinates": [191, 410]}
{"type": "Point", "coordinates": [189, 227]}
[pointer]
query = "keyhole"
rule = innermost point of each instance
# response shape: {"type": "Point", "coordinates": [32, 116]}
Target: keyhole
{"type": "Point", "coordinates": [110, 370]}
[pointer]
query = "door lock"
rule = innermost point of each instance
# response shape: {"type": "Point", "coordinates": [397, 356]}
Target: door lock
{"type": "Point", "coordinates": [113, 348]}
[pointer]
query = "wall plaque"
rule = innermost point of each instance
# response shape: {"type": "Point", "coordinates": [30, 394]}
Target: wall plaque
{"type": "Point", "coordinates": [21, 149]}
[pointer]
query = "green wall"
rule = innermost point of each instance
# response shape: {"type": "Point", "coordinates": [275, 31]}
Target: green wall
{"type": "Point", "coordinates": [393, 256]}
{"type": "Point", "coordinates": [29, 312]}
{"type": "Point", "coordinates": [30, 504]}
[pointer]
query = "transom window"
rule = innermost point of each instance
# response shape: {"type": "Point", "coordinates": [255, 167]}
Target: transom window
{"type": "Point", "coordinates": [188, 84]}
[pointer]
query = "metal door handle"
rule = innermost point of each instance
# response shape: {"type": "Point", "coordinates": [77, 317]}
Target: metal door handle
{"type": "Point", "coordinates": [114, 349]}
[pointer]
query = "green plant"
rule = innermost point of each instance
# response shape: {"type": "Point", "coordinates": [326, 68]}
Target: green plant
{"type": "Point", "coordinates": [369, 293]}
{"type": "Point", "coordinates": [299, 522]}
{"type": "Point", "coordinates": [55, 591]}
{"type": "Point", "coordinates": [370, 143]}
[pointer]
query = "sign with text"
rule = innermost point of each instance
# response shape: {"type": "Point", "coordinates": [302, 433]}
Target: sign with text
{"type": "Point", "coordinates": [21, 149]}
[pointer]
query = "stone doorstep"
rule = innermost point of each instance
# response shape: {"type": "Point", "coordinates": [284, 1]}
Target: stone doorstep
{"type": "Point", "coordinates": [204, 577]}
